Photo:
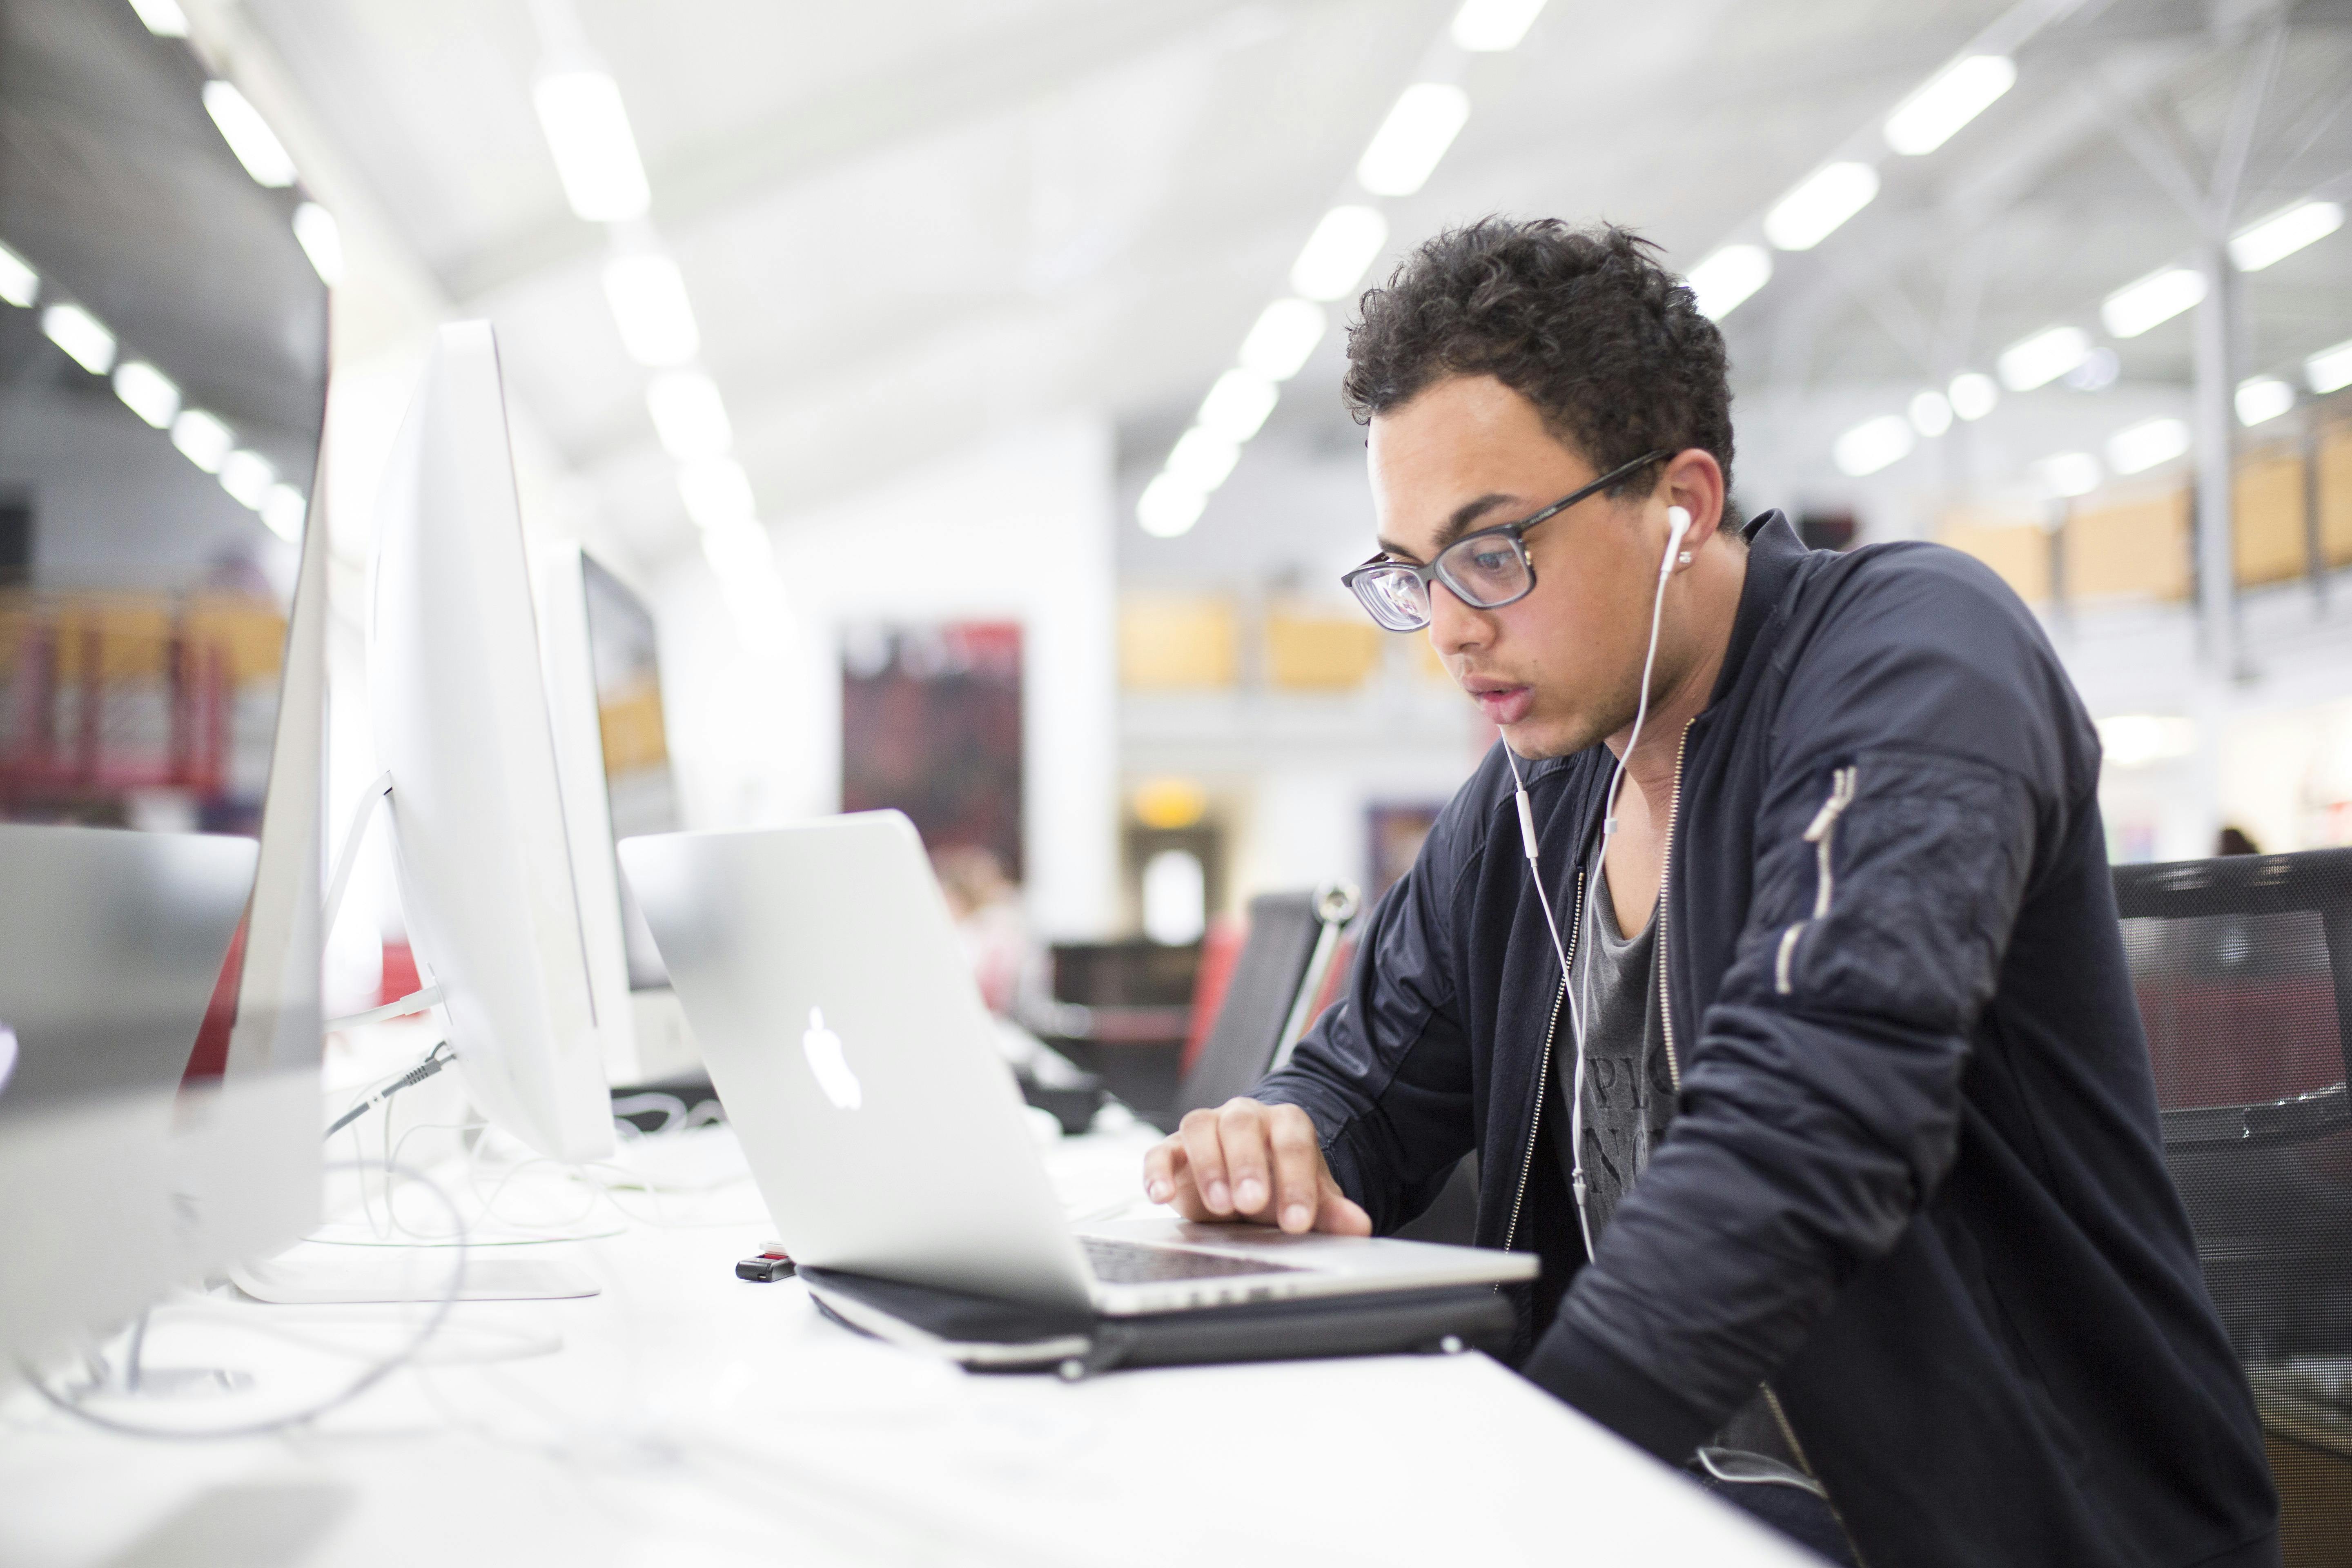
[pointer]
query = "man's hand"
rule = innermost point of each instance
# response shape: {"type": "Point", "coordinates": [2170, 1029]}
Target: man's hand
{"type": "Point", "coordinates": [1248, 1161]}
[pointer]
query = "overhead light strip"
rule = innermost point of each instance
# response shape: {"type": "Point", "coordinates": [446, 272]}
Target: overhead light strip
{"type": "Point", "coordinates": [201, 437]}
{"type": "Point", "coordinates": [1404, 150]}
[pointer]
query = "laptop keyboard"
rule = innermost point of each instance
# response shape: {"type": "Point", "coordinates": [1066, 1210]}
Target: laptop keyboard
{"type": "Point", "coordinates": [1138, 1263]}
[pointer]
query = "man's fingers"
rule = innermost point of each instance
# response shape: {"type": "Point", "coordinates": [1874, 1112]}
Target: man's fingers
{"type": "Point", "coordinates": [1160, 1163]}
{"type": "Point", "coordinates": [1340, 1214]}
{"type": "Point", "coordinates": [1206, 1156]}
{"type": "Point", "coordinates": [1242, 1134]}
{"type": "Point", "coordinates": [1297, 1168]}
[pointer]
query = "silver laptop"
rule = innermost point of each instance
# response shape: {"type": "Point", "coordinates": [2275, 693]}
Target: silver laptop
{"type": "Point", "coordinates": [822, 974]}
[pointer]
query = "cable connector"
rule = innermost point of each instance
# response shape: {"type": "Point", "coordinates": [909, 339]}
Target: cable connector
{"type": "Point", "coordinates": [434, 1060]}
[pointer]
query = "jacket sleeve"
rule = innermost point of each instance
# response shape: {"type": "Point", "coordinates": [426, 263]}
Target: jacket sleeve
{"type": "Point", "coordinates": [1385, 1072]}
{"type": "Point", "coordinates": [1925, 744]}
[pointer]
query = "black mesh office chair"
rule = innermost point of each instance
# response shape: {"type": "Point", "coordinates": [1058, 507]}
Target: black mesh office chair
{"type": "Point", "coordinates": [1292, 940]}
{"type": "Point", "coordinates": [2243, 968]}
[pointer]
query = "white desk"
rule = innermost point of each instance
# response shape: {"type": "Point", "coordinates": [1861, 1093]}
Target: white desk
{"type": "Point", "coordinates": [684, 1417]}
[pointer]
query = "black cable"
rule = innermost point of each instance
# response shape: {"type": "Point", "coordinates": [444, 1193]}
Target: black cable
{"type": "Point", "coordinates": [434, 1062]}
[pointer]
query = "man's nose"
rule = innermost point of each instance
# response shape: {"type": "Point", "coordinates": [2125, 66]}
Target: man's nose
{"type": "Point", "coordinates": [1454, 626]}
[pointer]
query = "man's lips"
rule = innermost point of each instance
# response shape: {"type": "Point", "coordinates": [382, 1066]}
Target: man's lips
{"type": "Point", "coordinates": [1503, 705]}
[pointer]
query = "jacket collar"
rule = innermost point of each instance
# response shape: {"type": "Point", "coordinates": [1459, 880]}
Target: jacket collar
{"type": "Point", "coordinates": [1774, 552]}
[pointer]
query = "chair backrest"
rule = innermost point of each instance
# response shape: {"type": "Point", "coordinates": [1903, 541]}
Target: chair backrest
{"type": "Point", "coordinates": [1273, 984]}
{"type": "Point", "coordinates": [2243, 969]}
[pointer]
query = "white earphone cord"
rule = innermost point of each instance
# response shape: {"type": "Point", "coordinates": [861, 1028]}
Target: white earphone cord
{"type": "Point", "coordinates": [1577, 1012]}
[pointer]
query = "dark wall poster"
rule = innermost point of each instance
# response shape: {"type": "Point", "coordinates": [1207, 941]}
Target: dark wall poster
{"type": "Point", "coordinates": [930, 725]}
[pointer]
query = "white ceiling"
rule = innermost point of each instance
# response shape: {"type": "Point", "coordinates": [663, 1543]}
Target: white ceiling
{"type": "Point", "coordinates": [904, 225]}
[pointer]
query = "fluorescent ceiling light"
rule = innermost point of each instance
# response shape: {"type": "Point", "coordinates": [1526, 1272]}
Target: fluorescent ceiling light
{"type": "Point", "coordinates": [647, 294]}
{"type": "Point", "coordinates": [2330, 370]}
{"type": "Point", "coordinates": [717, 492]}
{"type": "Point", "coordinates": [595, 155]}
{"type": "Point", "coordinates": [1950, 100]}
{"type": "Point", "coordinates": [1202, 458]}
{"type": "Point", "coordinates": [283, 509]}
{"type": "Point", "coordinates": [1931, 413]}
{"type": "Point", "coordinates": [1490, 27]}
{"type": "Point", "coordinates": [248, 475]}
{"type": "Point", "coordinates": [738, 549]}
{"type": "Point", "coordinates": [1284, 334]}
{"type": "Point", "coordinates": [2136, 740]}
{"type": "Point", "coordinates": [689, 415]}
{"type": "Point", "coordinates": [2070, 474]}
{"type": "Point", "coordinates": [1169, 507]}
{"type": "Point", "coordinates": [2042, 358]}
{"type": "Point", "coordinates": [163, 17]}
{"type": "Point", "coordinates": [2098, 371]}
{"type": "Point", "coordinates": [2263, 398]}
{"type": "Point", "coordinates": [82, 335]}
{"type": "Point", "coordinates": [1873, 445]}
{"type": "Point", "coordinates": [1724, 280]}
{"type": "Point", "coordinates": [321, 240]}
{"type": "Point", "coordinates": [2283, 234]}
{"type": "Point", "coordinates": [1342, 246]}
{"type": "Point", "coordinates": [1237, 405]}
{"type": "Point", "coordinates": [2156, 298]}
{"type": "Point", "coordinates": [2135, 448]}
{"type": "Point", "coordinates": [202, 439]}
{"type": "Point", "coordinates": [1973, 395]}
{"type": "Point", "coordinates": [148, 391]}
{"type": "Point", "coordinates": [248, 135]}
{"type": "Point", "coordinates": [19, 284]}
{"type": "Point", "coordinates": [1405, 150]}
{"type": "Point", "coordinates": [1824, 199]}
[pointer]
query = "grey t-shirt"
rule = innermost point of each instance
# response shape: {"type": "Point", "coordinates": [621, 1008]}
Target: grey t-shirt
{"type": "Point", "coordinates": [1629, 1097]}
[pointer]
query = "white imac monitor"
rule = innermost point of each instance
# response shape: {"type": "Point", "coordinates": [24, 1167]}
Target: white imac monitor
{"type": "Point", "coordinates": [603, 683]}
{"type": "Point", "coordinates": [481, 849]}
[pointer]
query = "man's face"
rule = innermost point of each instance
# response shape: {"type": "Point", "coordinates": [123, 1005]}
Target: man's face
{"type": "Point", "coordinates": [1561, 668]}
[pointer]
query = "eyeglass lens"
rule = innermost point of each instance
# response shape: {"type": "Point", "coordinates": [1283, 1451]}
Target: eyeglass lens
{"type": "Point", "coordinates": [1396, 598]}
{"type": "Point", "coordinates": [1487, 571]}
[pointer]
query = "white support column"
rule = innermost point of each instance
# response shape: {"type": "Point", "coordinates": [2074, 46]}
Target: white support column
{"type": "Point", "coordinates": [2213, 422]}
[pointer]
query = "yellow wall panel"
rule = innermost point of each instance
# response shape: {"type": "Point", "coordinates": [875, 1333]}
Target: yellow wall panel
{"type": "Point", "coordinates": [1169, 644]}
{"type": "Point", "coordinates": [2335, 494]}
{"type": "Point", "coordinates": [2018, 551]}
{"type": "Point", "coordinates": [1310, 652]}
{"type": "Point", "coordinates": [2268, 524]}
{"type": "Point", "coordinates": [2137, 548]}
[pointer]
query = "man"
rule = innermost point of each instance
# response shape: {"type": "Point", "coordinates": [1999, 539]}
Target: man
{"type": "Point", "coordinates": [1882, 1241]}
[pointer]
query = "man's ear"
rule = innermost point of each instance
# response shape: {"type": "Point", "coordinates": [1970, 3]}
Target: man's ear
{"type": "Point", "coordinates": [1693, 480]}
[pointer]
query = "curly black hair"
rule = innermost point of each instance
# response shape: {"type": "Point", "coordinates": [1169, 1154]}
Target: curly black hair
{"type": "Point", "coordinates": [1585, 323]}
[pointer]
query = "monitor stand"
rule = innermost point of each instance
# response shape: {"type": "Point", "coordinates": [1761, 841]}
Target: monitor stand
{"type": "Point", "coordinates": [317, 1272]}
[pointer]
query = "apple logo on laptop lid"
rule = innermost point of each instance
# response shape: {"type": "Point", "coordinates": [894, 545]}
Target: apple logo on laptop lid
{"type": "Point", "coordinates": [827, 1059]}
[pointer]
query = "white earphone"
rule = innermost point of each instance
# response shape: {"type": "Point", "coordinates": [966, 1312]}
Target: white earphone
{"type": "Point", "coordinates": [1678, 521]}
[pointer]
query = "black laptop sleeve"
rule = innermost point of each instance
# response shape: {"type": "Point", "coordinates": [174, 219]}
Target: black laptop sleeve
{"type": "Point", "coordinates": [990, 1335]}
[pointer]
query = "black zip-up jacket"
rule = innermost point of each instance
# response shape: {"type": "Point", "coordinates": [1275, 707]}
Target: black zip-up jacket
{"type": "Point", "coordinates": [1913, 1183]}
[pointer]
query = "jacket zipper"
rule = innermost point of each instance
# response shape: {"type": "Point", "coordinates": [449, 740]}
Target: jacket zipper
{"type": "Point", "coordinates": [1842, 783]}
{"type": "Point", "coordinates": [1840, 794]}
{"type": "Point", "coordinates": [1665, 866]}
{"type": "Point", "coordinates": [1543, 1076]}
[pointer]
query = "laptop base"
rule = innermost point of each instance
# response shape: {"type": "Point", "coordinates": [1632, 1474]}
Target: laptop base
{"type": "Point", "coordinates": [985, 1334]}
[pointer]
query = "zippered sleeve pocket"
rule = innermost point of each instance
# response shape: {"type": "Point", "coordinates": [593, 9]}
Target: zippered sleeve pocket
{"type": "Point", "coordinates": [1820, 833]}
{"type": "Point", "coordinates": [1917, 862]}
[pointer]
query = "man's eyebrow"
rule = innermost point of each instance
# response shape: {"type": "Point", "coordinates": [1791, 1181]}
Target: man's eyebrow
{"type": "Point", "coordinates": [1456, 525]}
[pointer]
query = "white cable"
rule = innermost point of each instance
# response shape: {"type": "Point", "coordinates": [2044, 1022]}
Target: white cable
{"type": "Point", "coordinates": [450, 1293]}
{"type": "Point", "coordinates": [1578, 1011]}
{"type": "Point", "coordinates": [1567, 992]}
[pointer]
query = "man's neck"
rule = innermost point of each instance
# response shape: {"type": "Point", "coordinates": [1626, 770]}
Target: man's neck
{"type": "Point", "coordinates": [1709, 588]}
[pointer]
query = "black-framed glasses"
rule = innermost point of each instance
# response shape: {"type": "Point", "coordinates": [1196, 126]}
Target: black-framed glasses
{"type": "Point", "coordinates": [1485, 570]}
